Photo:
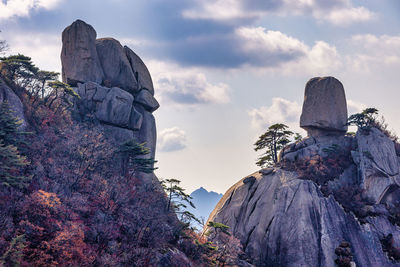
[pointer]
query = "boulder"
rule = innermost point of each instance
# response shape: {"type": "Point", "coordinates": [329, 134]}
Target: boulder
{"type": "Point", "coordinates": [147, 100]}
{"type": "Point", "coordinates": [79, 59]}
{"type": "Point", "coordinates": [377, 162]}
{"type": "Point", "coordinates": [112, 106]}
{"type": "Point", "coordinates": [6, 94]}
{"type": "Point", "coordinates": [115, 64]}
{"type": "Point", "coordinates": [116, 108]}
{"type": "Point", "coordinates": [141, 72]}
{"type": "Point", "coordinates": [285, 221]}
{"type": "Point", "coordinates": [324, 108]}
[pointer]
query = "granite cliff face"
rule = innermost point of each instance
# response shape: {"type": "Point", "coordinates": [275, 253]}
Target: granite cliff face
{"type": "Point", "coordinates": [113, 83]}
{"type": "Point", "coordinates": [327, 188]}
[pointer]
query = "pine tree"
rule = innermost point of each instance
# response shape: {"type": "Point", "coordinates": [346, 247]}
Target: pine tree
{"type": "Point", "coordinates": [10, 133]}
{"type": "Point", "coordinates": [11, 167]}
{"type": "Point", "coordinates": [12, 164]}
{"type": "Point", "coordinates": [178, 201]}
{"type": "Point", "coordinates": [272, 141]}
{"type": "Point", "coordinates": [134, 158]}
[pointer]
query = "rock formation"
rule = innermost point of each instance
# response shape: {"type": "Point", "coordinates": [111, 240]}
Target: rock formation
{"type": "Point", "coordinates": [6, 94]}
{"type": "Point", "coordinates": [113, 83]}
{"type": "Point", "coordinates": [324, 107]}
{"type": "Point", "coordinates": [289, 216]}
{"type": "Point", "coordinates": [80, 62]}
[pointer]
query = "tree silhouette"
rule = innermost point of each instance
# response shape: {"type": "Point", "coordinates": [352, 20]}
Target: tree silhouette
{"type": "Point", "coordinates": [272, 141]}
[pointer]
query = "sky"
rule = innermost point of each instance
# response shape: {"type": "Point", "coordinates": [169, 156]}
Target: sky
{"type": "Point", "coordinates": [225, 70]}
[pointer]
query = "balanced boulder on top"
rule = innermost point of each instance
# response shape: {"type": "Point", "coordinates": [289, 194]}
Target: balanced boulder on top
{"type": "Point", "coordinates": [80, 61]}
{"type": "Point", "coordinates": [324, 108]}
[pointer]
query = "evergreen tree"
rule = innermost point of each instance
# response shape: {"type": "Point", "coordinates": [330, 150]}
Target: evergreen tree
{"type": "Point", "coordinates": [272, 141]}
{"type": "Point", "coordinates": [364, 120]}
{"type": "Point", "coordinates": [178, 201]}
{"type": "Point", "coordinates": [134, 158]}
{"type": "Point", "coordinates": [12, 165]}
{"type": "Point", "coordinates": [10, 133]}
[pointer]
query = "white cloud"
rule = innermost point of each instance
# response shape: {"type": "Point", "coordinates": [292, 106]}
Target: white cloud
{"type": "Point", "coordinates": [280, 111]}
{"type": "Point", "coordinates": [44, 49]}
{"type": "Point", "coordinates": [276, 51]}
{"type": "Point", "coordinates": [262, 44]}
{"type": "Point", "coordinates": [337, 12]}
{"type": "Point", "coordinates": [171, 139]}
{"type": "Point", "coordinates": [22, 8]}
{"type": "Point", "coordinates": [354, 107]}
{"type": "Point", "coordinates": [186, 86]}
{"type": "Point", "coordinates": [374, 51]}
{"type": "Point", "coordinates": [219, 10]}
{"type": "Point", "coordinates": [346, 16]}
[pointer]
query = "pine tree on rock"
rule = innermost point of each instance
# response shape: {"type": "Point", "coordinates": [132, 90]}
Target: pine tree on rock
{"type": "Point", "coordinates": [272, 141]}
{"type": "Point", "coordinates": [134, 158]}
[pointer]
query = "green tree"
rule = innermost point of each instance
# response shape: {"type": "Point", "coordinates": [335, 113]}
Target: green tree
{"type": "Point", "coordinates": [18, 69]}
{"type": "Point", "coordinates": [272, 141]}
{"type": "Point", "coordinates": [12, 165]}
{"type": "Point", "coordinates": [364, 120]}
{"type": "Point", "coordinates": [135, 158]}
{"type": "Point", "coordinates": [178, 200]}
{"type": "Point", "coordinates": [10, 132]}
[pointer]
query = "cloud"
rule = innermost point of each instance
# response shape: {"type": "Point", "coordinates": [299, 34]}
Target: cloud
{"type": "Point", "coordinates": [346, 16]}
{"type": "Point", "coordinates": [44, 49]}
{"type": "Point", "coordinates": [268, 48]}
{"type": "Point", "coordinates": [22, 8]}
{"type": "Point", "coordinates": [171, 139]}
{"type": "Point", "coordinates": [354, 107]}
{"type": "Point", "coordinates": [186, 86]}
{"type": "Point", "coordinates": [337, 12]}
{"type": "Point", "coordinates": [374, 51]}
{"type": "Point", "coordinates": [256, 47]}
{"type": "Point", "coordinates": [280, 111]}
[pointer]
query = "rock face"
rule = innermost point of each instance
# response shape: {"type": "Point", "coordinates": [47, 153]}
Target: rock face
{"type": "Point", "coordinates": [80, 62]}
{"type": "Point", "coordinates": [324, 108]}
{"type": "Point", "coordinates": [116, 67]}
{"type": "Point", "coordinates": [6, 94]}
{"type": "Point", "coordinates": [378, 163]}
{"type": "Point", "coordinates": [288, 216]}
{"type": "Point", "coordinates": [142, 74]}
{"type": "Point", "coordinates": [113, 83]}
{"type": "Point", "coordinates": [285, 221]}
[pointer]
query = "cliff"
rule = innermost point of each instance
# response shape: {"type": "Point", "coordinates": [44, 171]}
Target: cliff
{"type": "Point", "coordinates": [328, 191]}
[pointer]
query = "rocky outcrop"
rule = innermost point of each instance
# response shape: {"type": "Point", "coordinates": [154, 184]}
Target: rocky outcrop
{"type": "Point", "coordinates": [284, 221]}
{"type": "Point", "coordinates": [114, 86]}
{"type": "Point", "coordinates": [326, 188]}
{"type": "Point", "coordinates": [6, 94]}
{"type": "Point", "coordinates": [377, 163]}
{"type": "Point", "coordinates": [324, 108]}
{"type": "Point", "coordinates": [142, 74]}
{"type": "Point", "coordinates": [115, 64]}
{"type": "Point", "coordinates": [80, 62]}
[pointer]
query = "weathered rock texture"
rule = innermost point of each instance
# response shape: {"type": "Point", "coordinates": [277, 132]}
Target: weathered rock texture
{"type": "Point", "coordinates": [80, 62]}
{"type": "Point", "coordinates": [116, 66]}
{"type": "Point", "coordinates": [286, 216]}
{"type": "Point", "coordinates": [285, 221]}
{"type": "Point", "coordinates": [324, 108]}
{"type": "Point", "coordinates": [113, 83]}
{"type": "Point", "coordinates": [6, 94]}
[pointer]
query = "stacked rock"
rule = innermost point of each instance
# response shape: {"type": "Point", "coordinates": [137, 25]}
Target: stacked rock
{"type": "Point", "coordinates": [113, 83]}
{"type": "Point", "coordinates": [324, 107]}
